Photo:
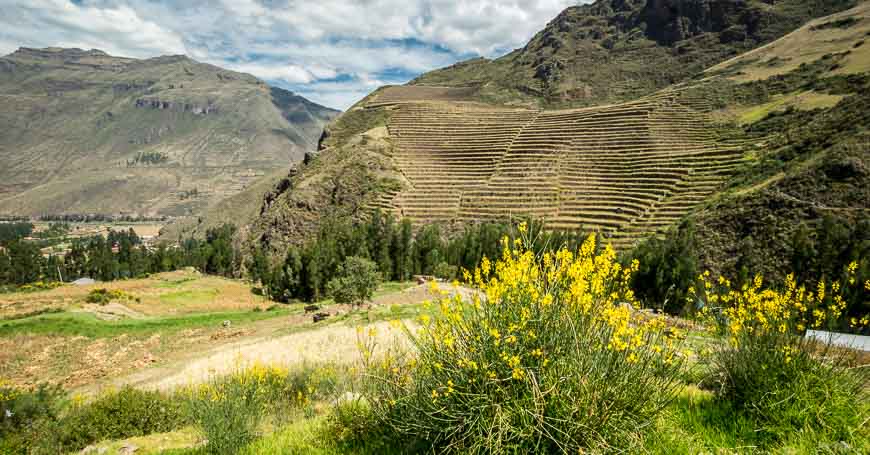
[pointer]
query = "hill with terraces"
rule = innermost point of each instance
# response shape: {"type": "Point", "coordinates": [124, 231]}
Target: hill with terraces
{"type": "Point", "coordinates": [706, 149]}
{"type": "Point", "coordinates": [86, 132]}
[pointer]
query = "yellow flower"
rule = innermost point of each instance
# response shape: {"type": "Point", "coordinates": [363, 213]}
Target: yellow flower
{"type": "Point", "coordinates": [517, 373]}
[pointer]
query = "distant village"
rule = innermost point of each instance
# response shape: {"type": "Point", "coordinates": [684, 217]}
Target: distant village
{"type": "Point", "coordinates": [60, 244]}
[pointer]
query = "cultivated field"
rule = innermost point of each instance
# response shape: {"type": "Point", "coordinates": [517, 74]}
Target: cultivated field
{"type": "Point", "coordinates": [157, 330]}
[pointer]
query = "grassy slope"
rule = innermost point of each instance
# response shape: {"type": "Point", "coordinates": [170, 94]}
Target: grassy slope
{"type": "Point", "coordinates": [169, 317]}
{"type": "Point", "coordinates": [613, 51]}
{"type": "Point", "coordinates": [73, 125]}
{"type": "Point", "coordinates": [804, 100]}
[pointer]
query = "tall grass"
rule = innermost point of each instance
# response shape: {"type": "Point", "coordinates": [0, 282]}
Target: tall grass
{"type": "Point", "coordinates": [230, 409]}
{"type": "Point", "coordinates": [547, 357]}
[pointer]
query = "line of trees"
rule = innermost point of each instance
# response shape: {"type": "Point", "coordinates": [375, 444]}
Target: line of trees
{"type": "Point", "coordinates": [119, 255]}
{"type": "Point", "coordinates": [398, 252]}
{"type": "Point", "coordinates": [14, 231]}
{"type": "Point", "coordinates": [668, 266]}
{"type": "Point", "coordinates": [819, 250]}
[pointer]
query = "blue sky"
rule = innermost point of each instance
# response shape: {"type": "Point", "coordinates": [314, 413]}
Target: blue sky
{"type": "Point", "coordinates": [333, 52]}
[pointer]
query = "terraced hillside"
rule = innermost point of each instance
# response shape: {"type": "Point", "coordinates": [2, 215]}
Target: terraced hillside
{"type": "Point", "coordinates": [626, 169]}
{"type": "Point", "coordinates": [86, 132]}
{"type": "Point", "coordinates": [701, 148]}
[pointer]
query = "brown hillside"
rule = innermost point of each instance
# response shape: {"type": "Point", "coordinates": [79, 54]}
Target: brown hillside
{"type": "Point", "coordinates": [86, 132]}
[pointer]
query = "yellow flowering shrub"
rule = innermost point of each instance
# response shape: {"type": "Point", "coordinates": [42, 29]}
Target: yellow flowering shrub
{"type": "Point", "coordinates": [766, 365]}
{"type": "Point", "coordinates": [754, 309]}
{"type": "Point", "coordinates": [543, 354]}
{"type": "Point", "coordinates": [229, 408]}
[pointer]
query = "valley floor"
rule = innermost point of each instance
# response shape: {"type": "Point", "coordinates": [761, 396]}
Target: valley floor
{"type": "Point", "coordinates": [180, 328]}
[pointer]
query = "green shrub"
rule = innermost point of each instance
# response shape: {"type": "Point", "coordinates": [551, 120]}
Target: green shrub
{"type": "Point", "coordinates": [814, 390]}
{"type": "Point", "coordinates": [103, 296]}
{"type": "Point", "coordinates": [549, 358]}
{"type": "Point", "coordinates": [446, 271]}
{"type": "Point", "coordinates": [229, 415]}
{"type": "Point", "coordinates": [229, 409]}
{"type": "Point", "coordinates": [353, 427]}
{"type": "Point", "coordinates": [26, 414]}
{"type": "Point", "coordinates": [356, 281]}
{"type": "Point", "coordinates": [767, 369]}
{"type": "Point", "coordinates": [352, 423]}
{"type": "Point", "coordinates": [122, 414]}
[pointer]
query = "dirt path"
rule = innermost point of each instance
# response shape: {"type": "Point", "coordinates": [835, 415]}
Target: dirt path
{"type": "Point", "coordinates": [335, 344]}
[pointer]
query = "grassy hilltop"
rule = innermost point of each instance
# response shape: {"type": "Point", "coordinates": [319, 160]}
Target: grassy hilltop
{"type": "Point", "coordinates": [85, 132]}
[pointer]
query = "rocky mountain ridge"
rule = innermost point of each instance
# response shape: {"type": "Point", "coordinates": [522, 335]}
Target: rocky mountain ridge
{"type": "Point", "coordinates": [619, 50]}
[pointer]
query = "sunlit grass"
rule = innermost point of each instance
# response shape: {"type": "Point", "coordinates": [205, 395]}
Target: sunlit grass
{"type": "Point", "coordinates": [88, 325]}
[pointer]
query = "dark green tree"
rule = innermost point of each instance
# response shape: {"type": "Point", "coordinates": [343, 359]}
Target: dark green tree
{"type": "Point", "coordinates": [668, 267]}
{"type": "Point", "coordinates": [356, 281]}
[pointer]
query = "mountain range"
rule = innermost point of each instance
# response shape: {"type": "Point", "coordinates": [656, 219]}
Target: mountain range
{"type": "Point", "coordinates": [89, 133]}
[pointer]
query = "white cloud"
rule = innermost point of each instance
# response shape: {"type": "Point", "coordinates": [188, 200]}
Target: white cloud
{"type": "Point", "coordinates": [288, 73]}
{"type": "Point", "coordinates": [119, 30]}
{"type": "Point", "coordinates": [328, 50]}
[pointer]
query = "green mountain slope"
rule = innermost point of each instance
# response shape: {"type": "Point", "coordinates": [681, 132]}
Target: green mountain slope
{"type": "Point", "coordinates": [85, 132]}
{"type": "Point", "coordinates": [805, 101]}
{"type": "Point", "coordinates": [618, 50]}
{"type": "Point", "coordinates": [702, 147]}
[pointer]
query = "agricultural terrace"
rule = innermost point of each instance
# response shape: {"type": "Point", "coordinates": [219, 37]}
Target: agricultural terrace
{"type": "Point", "coordinates": [625, 170]}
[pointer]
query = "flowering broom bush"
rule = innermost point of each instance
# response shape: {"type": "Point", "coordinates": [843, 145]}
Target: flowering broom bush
{"type": "Point", "coordinates": [230, 409]}
{"type": "Point", "coordinates": [546, 356]}
{"type": "Point", "coordinates": [767, 368]}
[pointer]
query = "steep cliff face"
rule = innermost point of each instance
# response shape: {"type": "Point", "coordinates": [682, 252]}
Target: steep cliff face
{"type": "Point", "coordinates": [346, 178]}
{"type": "Point", "coordinates": [617, 50]}
{"type": "Point", "coordinates": [85, 132]}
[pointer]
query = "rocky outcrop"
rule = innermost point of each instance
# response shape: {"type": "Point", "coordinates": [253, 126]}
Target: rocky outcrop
{"type": "Point", "coordinates": [197, 109]}
{"type": "Point", "coordinates": [670, 21]}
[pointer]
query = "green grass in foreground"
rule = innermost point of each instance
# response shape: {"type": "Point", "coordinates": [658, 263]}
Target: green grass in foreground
{"type": "Point", "coordinates": [88, 325]}
{"type": "Point", "coordinates": [696, 422]}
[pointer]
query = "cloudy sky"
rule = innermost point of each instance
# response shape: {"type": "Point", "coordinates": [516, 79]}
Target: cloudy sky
{"type": "Point", "coordinates": [331, 51]}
